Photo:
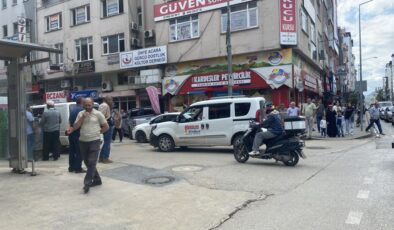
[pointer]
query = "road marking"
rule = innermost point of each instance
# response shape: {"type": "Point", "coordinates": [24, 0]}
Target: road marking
{"type": "Point", "coordinates": [354, 218]}
{"type": "Point", "coordinates": [368, 180]}
{"type": "Point", "coordinates": [363, 194]}
{"type": "Point", "coordinates": [372, 170]}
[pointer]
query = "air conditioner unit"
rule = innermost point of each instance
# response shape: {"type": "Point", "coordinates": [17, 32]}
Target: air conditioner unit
{"type": "Point", "coordinates": [106, 86]}
{"type": "Point", "coordinates": [134, 42]}
{"type": "Point", "coordinates": [133, 26]}
{"type": "Point", "coordinates": [149, 33]}
{"type": "Point", "coordinates": [65, 84]}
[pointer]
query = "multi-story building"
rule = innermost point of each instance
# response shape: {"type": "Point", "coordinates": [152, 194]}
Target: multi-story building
{"type": "Point", "coordinates": [282, 50]}
{"type": "Point", "coordinates": [17, 22]}
{"type": "Point", "coordinates": [388, 81]}
{"type": "Point", "coordinates": [346, 71]}
{"type": "Point", "coordinates": [92, 34]}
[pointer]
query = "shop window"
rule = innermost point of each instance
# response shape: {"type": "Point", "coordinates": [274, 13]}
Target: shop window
{"type": "Point", "coordinates": [304, 21]}
{"type": "Point", "coordinates": [219, 111]}
{"type": "Point", "coordinates": [5, 31]}
{"type": "Point", "coordinates": [80, 15]}
{"type": "Point", "coordinates": [112, 7]}
{"type": "Point", "coordinates": [84, 49]}
{"type": "Point", "coordinates": [242, 16]}
{"type": "Point", "coordinates": [184, 28]}
{"type": "Point", "coordinates": [241, 109]}
{"type": "Point", "coordinates": [113, 44]}
{"type": "Point", "coordinates": [53, 22]}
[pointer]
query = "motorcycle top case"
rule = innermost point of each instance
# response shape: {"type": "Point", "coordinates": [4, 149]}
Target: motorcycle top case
{"type": "Point", "coordinates": [294, 123]}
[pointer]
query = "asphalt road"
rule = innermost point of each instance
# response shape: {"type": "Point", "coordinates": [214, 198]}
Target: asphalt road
{"type": "Point", "coordinates": [343, 184]}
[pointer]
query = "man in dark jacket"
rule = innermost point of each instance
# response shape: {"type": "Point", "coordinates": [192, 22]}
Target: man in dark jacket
{"type": "Point", "coordinates": [274, 128]}
{"type": "Point", "coordinates": [50, 122]}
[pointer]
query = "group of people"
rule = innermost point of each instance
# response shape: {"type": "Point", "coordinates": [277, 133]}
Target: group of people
{"type": "Point", "coordinates": [86, 128]}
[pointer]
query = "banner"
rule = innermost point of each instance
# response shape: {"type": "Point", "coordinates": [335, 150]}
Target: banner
{"type": "Point", "coordinates": [288, 28]}
{"type": "Point", "coordinates": [154, 98]}
{"type": "Point", "coordinates": [143, 57]}
{"type": "Point", "coordinates": [57, 97]}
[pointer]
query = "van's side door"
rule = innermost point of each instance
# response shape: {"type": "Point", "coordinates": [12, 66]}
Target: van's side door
{"type": "Point", "coordinates": [190, 129]}
{"type": "Point", "coordinates": [219, 124]}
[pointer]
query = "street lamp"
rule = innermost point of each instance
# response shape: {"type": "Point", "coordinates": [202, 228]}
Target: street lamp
{"type": "Point", "coordinates": [361, 65]}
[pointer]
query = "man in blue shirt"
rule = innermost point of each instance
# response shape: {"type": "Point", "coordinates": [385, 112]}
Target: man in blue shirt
{"type": "Point", "coordinates": [74, 157]}
{"type": "Point", "coordinates": [374, 111]}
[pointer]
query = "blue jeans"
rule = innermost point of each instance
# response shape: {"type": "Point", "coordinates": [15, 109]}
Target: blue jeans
{"type": "Point", "coordinates": [106, 149]}
{"type": "Point", "coordinates": [318, 119]}
{"type": "Point", "coordinates": [74, 157]}
{"type": "Point", "coordinates": [340, 130]}
{"type": "Point", "coordinates": [30, 146]}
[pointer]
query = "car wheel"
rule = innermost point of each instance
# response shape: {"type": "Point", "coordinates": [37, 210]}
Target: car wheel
{"type": "Point", "coordinates": [166, 143]}
{"type": "Point", "coordinates": [293, 159]}
{"type": "Point", "coordinates": [140, 137]}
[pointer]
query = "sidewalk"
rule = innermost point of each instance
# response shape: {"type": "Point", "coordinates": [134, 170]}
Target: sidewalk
{"type": "Point", "coordinates": [357, 134]}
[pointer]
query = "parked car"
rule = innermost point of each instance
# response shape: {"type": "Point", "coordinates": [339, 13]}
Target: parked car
{"type": "Point", "coordinates": [142, 132]}
{"type": "Point", "coordinates": [216, 122]}
{"type": "Point", "coordinates": [388, 113]}
{"type": "Point", "coordinates": [135, 117]}
{"type": "Point", "coordinates": [382, 112]}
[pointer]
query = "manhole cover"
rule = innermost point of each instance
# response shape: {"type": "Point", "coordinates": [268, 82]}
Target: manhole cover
{"type": "Point", "coordinates": [187, 168]}
{"type": "Point", "coordinates": [316, 147]}
{"type": "Point", "coordinates": [159, 180]}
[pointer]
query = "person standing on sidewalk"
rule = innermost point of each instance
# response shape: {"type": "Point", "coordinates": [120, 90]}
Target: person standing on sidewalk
{"type": "Point", "coordinates": [92, 124]}
{"type": "Point", "coordinates": [323, 127]}
{"type": "Point", "coordinates": [106, 109]}
{"type": "Point", "coordinates": [30, 133]}
{"type": "Point", "coordinates": [319, 114]}
{"type": "Point", "coordinates": [293, 111]}
{"type": "Point", "coordinates": [309, 111]}
{"type": "Point", "coordinates": [50, 122]}
{"type": "Point", "coordinates": [117, 126]}
{"type": "Point", "coordinates": [349, 119]}
{"type": "Point", "coordinates": [339, 124]}
{"type": "Point", "coordinates": [374, 111]}
{"type": "Point", "coordinates": [74, 157]}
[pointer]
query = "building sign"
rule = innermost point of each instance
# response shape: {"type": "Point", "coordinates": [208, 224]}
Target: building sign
{"type": "Point", "coordinates": [288, 29]}
{"type": "Point", "coordinates": [276, 76]}
{"type": "Point", "coordinates": [57, 97]}
{"type": "Point", "coordinates": [54, 22]}
{"type": "Point", "coordinates": [181, 8]}
{"type": "Point", "coordinates": [143, 57]}
{"type": "Point", "coordinates": [84, 67]}
{"type": "Point", "coordinates": [310, 82]}
{"type": "Point", "coordinates": [84, 93]}
{"type": "Point", "coordinates": [22, 29]}
{"type": "Point", "coordinates": [220, 79]}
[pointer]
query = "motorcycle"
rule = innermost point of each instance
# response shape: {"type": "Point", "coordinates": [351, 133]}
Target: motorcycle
{"type": "Point", "coordinates": [286, 147]}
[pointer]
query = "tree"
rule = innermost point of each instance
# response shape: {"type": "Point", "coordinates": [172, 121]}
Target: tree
{"type": "Point", "coordinates": [380, 95]}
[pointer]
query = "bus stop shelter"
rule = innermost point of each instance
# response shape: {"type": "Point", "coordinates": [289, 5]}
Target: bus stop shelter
{"type": "Point", "coordinates": [16, 52]}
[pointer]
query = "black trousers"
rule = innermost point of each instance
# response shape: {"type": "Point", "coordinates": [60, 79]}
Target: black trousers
{"type": "Point", "coordinates": [51, 144]}
{"type": "Point", "coordinates": [90, 152]}
{"type": "Point", "coordinates": [120, 131]}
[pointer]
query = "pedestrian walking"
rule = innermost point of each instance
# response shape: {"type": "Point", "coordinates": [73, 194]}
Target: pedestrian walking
{"type": "Point", "coordinates": [30, 128]}
{"type": "Point", "coordinates": [92, 124]}
{"type": "Point", "coordinates": [106, 109]}
{"type": "Point", "coordinates": [74, 157]}
{"type": "Point", "coordinates": [319, 114]}
{"type": "Point", "coordinates": [117, 126]}
{"type": "Point", "coordinates": [340, 124]}
{"type": "Point", "coordinates": [323, 127]}
{"type": "Point", "coordinates": [349, 119]}
{"type": "Point", "coordinates": [309, 111]}
{"type": "Point", "coordinates": [50, 122]}
{"type": "Point", "coordinates": [293, 111]}
{"type": "Point", "coordinates": [331, 122]}
{"type": "Point", "coordinates": [374, 112]}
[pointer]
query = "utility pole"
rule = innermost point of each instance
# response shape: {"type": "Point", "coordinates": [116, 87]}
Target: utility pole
{"type": "Point", "coordinates": [229, 54]}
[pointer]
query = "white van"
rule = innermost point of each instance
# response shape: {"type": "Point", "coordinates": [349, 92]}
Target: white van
{"type": "Point", "coordinates": [216, 122]}
{"type": "Point", "coordinates": [65, 110]}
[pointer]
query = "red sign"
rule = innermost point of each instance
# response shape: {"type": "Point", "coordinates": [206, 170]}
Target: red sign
{"type": "Point", "coordinates": [288, 28]}
{"type": "Point", "coordinates": [180, 8]}
{"type": "Point", "coordinates": [57, 97]}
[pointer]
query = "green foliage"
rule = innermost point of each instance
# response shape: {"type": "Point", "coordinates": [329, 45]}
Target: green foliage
{"type": "Point", "coordinates": [380, 95]}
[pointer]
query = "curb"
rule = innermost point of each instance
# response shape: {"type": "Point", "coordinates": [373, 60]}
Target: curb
{"type": "Point", "coordinates": [364, 136]}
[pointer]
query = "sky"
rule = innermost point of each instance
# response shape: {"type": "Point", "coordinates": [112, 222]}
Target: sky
{"type": "Point", "coordinates": [377, 36]}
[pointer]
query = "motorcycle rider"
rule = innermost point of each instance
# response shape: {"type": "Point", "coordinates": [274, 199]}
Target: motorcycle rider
{"type": "Point", "coordinates": [274, 128]}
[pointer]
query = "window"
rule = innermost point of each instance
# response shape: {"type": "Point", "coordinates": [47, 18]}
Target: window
{"type": "Point", "coordinates": [54, 22]}
{"type": "Point", "coordinates": [80, 15]}
{"type": "Point", "coordinates": [313, 33]}
{"type": "Point", "coordinates": [242, 109]}
{"type": "Point", "coordinates": [184, 28]}
{"type": "Point", "coordinates": [243, 16]}
{"type": "Point", "coordinates": [123, 79]}
{"type": "Point", "coordinates": [304, 21]}
{"type": "Point", "coordinates": [113, 44]}
{"type": "Point", "coordinates": [84, 49]}
{"type": "Point", "coordinates": [112, 7]}
{"type": "Point", "coordinates": [4, 4]}
{"type": "Point", "coordinates": [219, 111]}
{"type": "Point", "coordinates": [192, 114]}
{"type": "Point", "coordinates": [14, 2]}
{"type": "Point", "coordinates": [5, 31]}
{"type": "Point", "coordinates": [57, 58]}
{"type": "Point", "coordinates": [139, 13]}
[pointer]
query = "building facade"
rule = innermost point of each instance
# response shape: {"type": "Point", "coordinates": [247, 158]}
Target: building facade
{"type": "Point", "coordinates": [346, 71]}
{"type": "Point", "coordinates": [282, 50]}
{"type": "Point", "coordinates": [92, 34]}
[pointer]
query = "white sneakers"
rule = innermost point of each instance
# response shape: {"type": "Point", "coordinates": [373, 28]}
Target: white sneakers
{"type": "Point", "coordinates": [254, 153]}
